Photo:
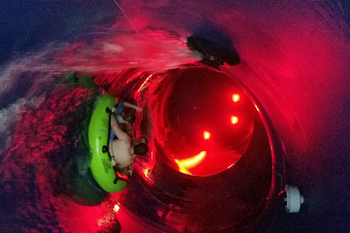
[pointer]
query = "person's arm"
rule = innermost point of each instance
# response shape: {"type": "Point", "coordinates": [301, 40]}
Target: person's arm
{"type": "Point", "coordinates": [114, 163]}
{"type": "Point", "coordinates": [126, 104]}
{"type": "Point", "coordinates": [118, 132]}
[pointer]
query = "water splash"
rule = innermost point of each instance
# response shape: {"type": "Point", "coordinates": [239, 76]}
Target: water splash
{"type": "Point", "coordinates": [296, 63]}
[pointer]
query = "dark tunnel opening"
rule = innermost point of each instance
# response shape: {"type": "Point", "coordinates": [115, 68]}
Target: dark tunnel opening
{"type": "Point", "coordinates": [238, 194]}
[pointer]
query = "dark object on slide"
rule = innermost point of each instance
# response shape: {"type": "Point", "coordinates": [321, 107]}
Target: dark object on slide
{"type": "Point", "coordinates": [213, 53]}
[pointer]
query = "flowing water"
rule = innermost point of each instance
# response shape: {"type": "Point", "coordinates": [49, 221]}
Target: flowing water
{"type": "Point", "coordinates": [294, 59]}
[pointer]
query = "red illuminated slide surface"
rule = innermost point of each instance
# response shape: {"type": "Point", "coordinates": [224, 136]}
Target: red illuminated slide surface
{"type": "Point", "coordinates": [208, 146]}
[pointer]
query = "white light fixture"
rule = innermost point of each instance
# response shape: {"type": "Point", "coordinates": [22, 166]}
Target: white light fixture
{"type": "Point", "coordinates": [293, 199]}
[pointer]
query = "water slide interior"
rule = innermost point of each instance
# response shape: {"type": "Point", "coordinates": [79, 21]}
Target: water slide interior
{"type": "Point", "coordinates": [225, 139]}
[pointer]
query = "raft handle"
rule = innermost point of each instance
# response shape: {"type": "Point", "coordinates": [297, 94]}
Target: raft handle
{"type": "Point", "coordinates": [104, 149]}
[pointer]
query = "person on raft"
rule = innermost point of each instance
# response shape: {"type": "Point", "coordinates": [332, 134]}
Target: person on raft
{"type": "Point", "coordinates": [126, 119]}
{"type": "Point", "coordinates": [123, 150]}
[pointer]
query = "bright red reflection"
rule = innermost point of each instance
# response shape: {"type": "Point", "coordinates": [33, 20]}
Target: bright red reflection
{"type": "Point", "coordinates": [143, 84]}
{"type": "Point", "coordinates": [186, 164]}
{"type": "Point", "coordinates": [236, 98]}
{"type": "Point", "coordinates": [206, 135]}
{"type": "Point", "coordinates": [146, 172]}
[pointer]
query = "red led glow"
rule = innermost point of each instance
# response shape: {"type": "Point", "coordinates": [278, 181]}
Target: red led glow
{"type": "Point", "coordinates": [206, 135]}
{"type": "Point", "coordinates": [234, 120]}
{"type": "Point", "coordinates": [236, 98]}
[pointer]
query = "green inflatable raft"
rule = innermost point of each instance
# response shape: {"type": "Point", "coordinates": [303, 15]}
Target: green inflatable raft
{"type": "Point", "coordinates": [99, 130]}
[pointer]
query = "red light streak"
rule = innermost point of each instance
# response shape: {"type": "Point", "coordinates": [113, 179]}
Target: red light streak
{"type": "Point", "coordinates": [146, 172]}
{"type": "Point", "coordinates": [206, 135]}
{"type": "Point", "coordinates": [236, 98]}
{"type": "Point", "coordinates": [257, 108]}
{"type": "Point", "coordinates": [186, 164]}
{"type": "Point", "coordinates": [234, 120]}
{"type": "Point", "coordinates": [144, 83]}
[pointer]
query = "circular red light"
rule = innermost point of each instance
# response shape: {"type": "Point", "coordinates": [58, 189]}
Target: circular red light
{"type": "Point", "coordinates": [234, 120]}
{"type": "Point", "coordinates": [206, 135]}
{"type": "Point", "coordinates": [235, 98]}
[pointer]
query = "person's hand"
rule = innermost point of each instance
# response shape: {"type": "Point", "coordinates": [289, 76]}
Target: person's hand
{"type": "Point", "coordinates": [113, 161]}
{"type": "Point", "coordinates": [138, 109]}
{"type": "Point", "coordinates": [129, 173]}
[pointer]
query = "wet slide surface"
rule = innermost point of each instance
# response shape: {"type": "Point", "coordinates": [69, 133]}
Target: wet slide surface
{"type": "Point", "coordinates": [209, 165]}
